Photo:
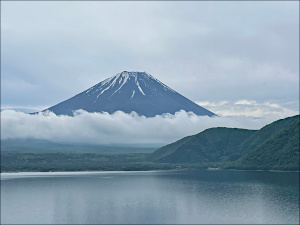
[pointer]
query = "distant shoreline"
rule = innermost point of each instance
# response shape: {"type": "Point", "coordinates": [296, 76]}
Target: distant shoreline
{"type": "Point", "coordinates": [297, 171]}
{"type": "Point", "coordinates": [116, 171]}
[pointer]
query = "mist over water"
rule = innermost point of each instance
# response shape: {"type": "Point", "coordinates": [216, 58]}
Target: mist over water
{"type": "Point", "coordinates": [150, 197]}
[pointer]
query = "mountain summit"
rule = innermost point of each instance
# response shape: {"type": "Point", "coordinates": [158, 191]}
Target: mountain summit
{"type": "Point", "coordinates": [127, 92]}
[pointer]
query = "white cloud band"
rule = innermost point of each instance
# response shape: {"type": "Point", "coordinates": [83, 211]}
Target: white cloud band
{"type": "Point", "coordinates": [104, 128]}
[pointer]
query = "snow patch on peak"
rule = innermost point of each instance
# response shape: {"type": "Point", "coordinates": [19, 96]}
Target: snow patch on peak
{"type": "Point", "coordinates": [89, 90]}
{"type": "Point", "coordinates": [119, 80]}
{"type": "Point", "coordinates": [132, 94]}
{"type": "Point", "coordinates": [125, 74]}
{"type": "Point", "coordinates": [125, 78]}
{"type": "Point", "coordinates": [113, 79]}
{"type": "Point", "coordinates": [108, 80]}
{"type": "Point", "coordinates": [139, 87]}
{"type": "Point", "coordinates": [135, 74]}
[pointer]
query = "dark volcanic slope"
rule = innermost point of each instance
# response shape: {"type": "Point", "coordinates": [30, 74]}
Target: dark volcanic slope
{"type": "Point", "coordinates": [127, 92]}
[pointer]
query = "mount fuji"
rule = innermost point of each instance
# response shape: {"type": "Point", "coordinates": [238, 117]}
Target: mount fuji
{"type": "Point", "coordinates": [127, 92]}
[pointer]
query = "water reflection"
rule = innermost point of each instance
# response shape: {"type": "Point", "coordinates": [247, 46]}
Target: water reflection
{"type": "Point", "coordinates": [150, 197]}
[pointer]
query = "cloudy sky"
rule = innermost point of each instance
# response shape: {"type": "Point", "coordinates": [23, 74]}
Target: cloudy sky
{"type": "Point", "coordinates": [208, 51]}
{"type": "Point", "coordinates": [233, 58]}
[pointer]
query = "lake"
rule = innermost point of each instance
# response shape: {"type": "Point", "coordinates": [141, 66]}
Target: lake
{"type": "Point", "coordinates": [199, 196]}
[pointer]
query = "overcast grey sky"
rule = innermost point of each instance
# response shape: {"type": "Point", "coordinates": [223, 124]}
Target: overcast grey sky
{"type": "Point", "coordinates": [211, 52]}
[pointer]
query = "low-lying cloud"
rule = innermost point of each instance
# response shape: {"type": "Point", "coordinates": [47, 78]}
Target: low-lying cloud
{"type": "Point", "coordinates": [104, 128]}
{"type": "Point", "coordinates": [249, 108]}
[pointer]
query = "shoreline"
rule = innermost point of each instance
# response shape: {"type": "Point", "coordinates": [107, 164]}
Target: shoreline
{"type": "Point", "coordinates": [118, 171]}
{"type": "Point", "coordinates": [281, 171]}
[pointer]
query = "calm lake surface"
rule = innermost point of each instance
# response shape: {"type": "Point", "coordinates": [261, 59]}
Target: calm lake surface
{"type": "Point", "coordinates": [184, 197]}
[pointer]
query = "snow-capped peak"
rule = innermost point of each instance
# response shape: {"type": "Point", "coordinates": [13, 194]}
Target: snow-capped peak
{"type": "Point", "coordinates": [115, 83]}
{"type": "Point", "coordinates": [130, 91]}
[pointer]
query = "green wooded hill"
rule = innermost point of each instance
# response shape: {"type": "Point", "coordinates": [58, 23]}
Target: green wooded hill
{"type": "Point", "coordinates": [279, 151]}
{"type": "Point", "coordinates": [211, 145]}
{"type": "Point", "coordinates": [275, 146]}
